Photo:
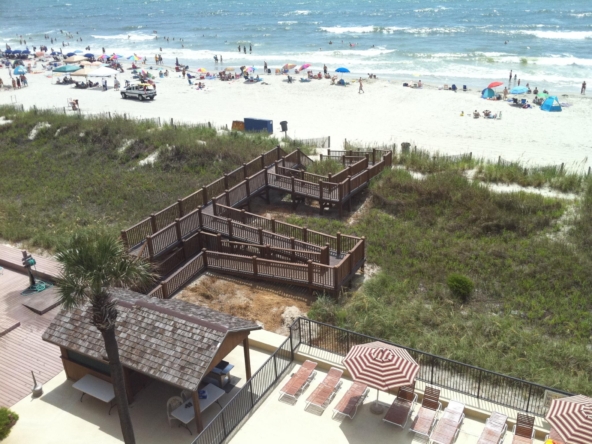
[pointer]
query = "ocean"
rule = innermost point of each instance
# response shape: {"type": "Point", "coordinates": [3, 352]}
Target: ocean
{"type": "Point", "coordinates": [547, 43]}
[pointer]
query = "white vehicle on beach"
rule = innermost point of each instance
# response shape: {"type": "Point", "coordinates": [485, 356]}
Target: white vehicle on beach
{"type": "Point", "coordinates": [142, 91]}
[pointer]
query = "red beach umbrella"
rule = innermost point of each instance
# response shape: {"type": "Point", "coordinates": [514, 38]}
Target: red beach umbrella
{"type": "Point", "coordinates": [571, 417]}
{"type": "Point", "coordinates": [495, 84]}
{"type": "Point", "coordinates": [381, 366]}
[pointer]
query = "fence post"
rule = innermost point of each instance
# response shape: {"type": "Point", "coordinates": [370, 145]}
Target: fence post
{"type": "Point", "coordinates": [205, 257]}
{"type": "Point", "coordinates": [293, 248]}
{"type": "Point", "coordinates": [204, 194]}
{"type": "Point", "coordinates": [153, 223]}
{"type": "Point", "coordinates": [262, 161]}
{"type": "Point", "coordinates": [329, 141]}
{"type": "Point", "coordinates": [214, 207]}
{"type": "Point", "coordinates": [178, 229]}
{"type": "Point", "coordinates": [243, 216]}
{"type": "Point", "coordinates": [528, 401]}
{"type": "Point", "coordinates": [267, 251]}
{"type": "Point", "coordinates": [165, 290]}
{"type": "Point", "coordinates": [363, 253]}
{"type": "Point", "coordinates": [328, 253]}
{"type": "Point", "coordinates": [305, 234]}
{"type": "Point", "coordinates": [248, 187]}
{"type": "Point", "coordinates": [150, 246]}
{"type": "Point", "coordinates": [180, 204]}
{"type": "Point", "coordinates": [338, 243]}
{"type": "Point", "coordinates": [275, 367]}
{"type": "Point", "coordinates": [124, 239]}
{"type": "Point", "coordinates": [226, 181]}
{"type": "Point", "coordinates": [219, 242]}
{"type": "Point", "coordinates": [293, 182]}
{"type": "Point", "coordinates": [330, 177]}
{"type": "Point", "coordinates": [227, 195]}
{"type": "Point", "coordinates": [291, 344]}
{"type": "Point", "coordinates": [254, 266]}
{"type": "Point", "coordinates": [278, 152]}
{"type": "Point", "coordinates": [320, 197]}
{"type": "Point", "coordinates": [245, 171]}
{"type": "Point", "coordinates": [310, 272]}
{"type": "Point", "coordinates": [199, 217]}
{"type": "Point", "coordinates": [284, 161]}
{"type": "Point", "coordinates": [343, 160]}
{"type": "Point", "coordinates": [260, 232]}
{"type": "Point", "coordinates": [479, 385]}
{"type": "Point", "coordinates": [348, 185]}
{"type": "Point", "coordinates": [335, 278]}
{"type": "Point", "coordinates": [309, 333]}
{"type": "Point", "coordinates": [373, 155]}
{"type": "Point", "coordinates": [230, 232]}
{"type": "Point", "coordinates": [272, 225]}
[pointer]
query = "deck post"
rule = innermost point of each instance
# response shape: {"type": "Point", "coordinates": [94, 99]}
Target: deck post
{"type": "Point", "coordinates": [180, 203]}
{"type": "Point", "coordinates": [305, 234]}
{"type": "Point", "coordinates": [310, 273]}
{"type": "Point", "coordinates": [330, 177]}
{"type": "Point", "coordinates": [197, 410]}
{"type": "Point", "coordinates": [329, 152]}
{"type": "Point", "coordinates": [226, 181]}
{"type": "Point", "coordinates": [165, 290]}
{"type": "Point", "coordinates": [367, 156]}
{"type": "Point", "coordinates": [338, 242]}
{"type": "Point", "coordinates": [272, 225]}
{"type": "Point", "coordinates": [214, 208]}
{"type": "Point", "coordinates": [293, 182]}
{"type": "Point", "coordinates": [246, 350]}
{"type": "Point", "coordinates": [178, 229]}
{"type": "Point", "coordinates": [150, 246]}
{"type": "Point", "coordinates": [278, 150]}
{"type": "Point", "coordinates": [320, 197]}
{"type": "Point", "coordinates": [373, 155]}
{"type": "Point", "coordinates": [227, 195]}
{"type": "Point", "coordinates": [262, 161]}
{"type": "Point", "coordinates": [124, 239]}
{"type": "Point", "coordinates": [254, 266]}
{"type": "Point", "coordinates": [219, 242]}
{"type": "Point", "coordinates": [328, 253]}
{"type": "Point", "coordinates": [230, 232]}
{"type": "Point", "coordinates": [260, 232]}
{"type": "Point", "coordinates": [204, 194]}
{"type": "Point", "coordinates": [266, 186]}
{"type": "Point", "coordinates": [199, 217]}
{"type": "Point", "coordinates": [343, 160]}
{"type": "Point", "coordinates": [248, 193]}
{"type": "Point", "coordinates": [245, 171]}
{"type": "Point", "coordinates": [293, 248]}
{"type": "Point", "coordinates": [363, 253]}
{"type": "Point", "coordinates": [243, 216]}
{"type": "Point", "coordinates": [298, 156]}
{"type": "Point", "coordinates": [153, 223]}
{"type": "Point", "coordinates": [267, 251]}
{"type": "Point", "coordinates": [205, 257]}
{"type": "Point", "coordinates": [335, 277]}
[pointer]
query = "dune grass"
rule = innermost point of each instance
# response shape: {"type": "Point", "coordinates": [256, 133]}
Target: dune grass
{"type": "Point", "coordinates": [325, 167]}
{"type": "Point", "coordinates": [424, 162]}
{"type": "Point", "coordinates": [76, 173]}
{"type": "Point", "coordinates": [530, 314]}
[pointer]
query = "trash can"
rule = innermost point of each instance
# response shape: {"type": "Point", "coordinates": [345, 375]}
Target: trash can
{"type": "Point", "coordinates": [284, 125]}
{"type": "Point", "coordinates": [405, 147]}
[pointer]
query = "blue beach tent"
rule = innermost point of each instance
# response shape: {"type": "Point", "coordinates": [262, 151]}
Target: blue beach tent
{"type": "Point", "coordinates": [551, 104]}
{"type": "Point", "coordinates": [487, 93]}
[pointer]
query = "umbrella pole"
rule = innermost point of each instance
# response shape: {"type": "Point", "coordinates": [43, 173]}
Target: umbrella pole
{"type": "Point", "coordinates": [376, 408]}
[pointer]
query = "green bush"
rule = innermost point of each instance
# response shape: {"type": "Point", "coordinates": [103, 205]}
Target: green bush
{"type": "Point", "coordinates": [323, 310]}
{"type": "Point", "coordinates": [7, 420]}
{"type": "Point", "coordinates": [460, 286]}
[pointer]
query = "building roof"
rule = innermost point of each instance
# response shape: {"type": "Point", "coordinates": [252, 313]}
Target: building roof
{"type": "Point", "coordinates": [168, 339]}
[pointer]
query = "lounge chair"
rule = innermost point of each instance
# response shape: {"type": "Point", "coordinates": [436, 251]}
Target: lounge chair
{"type": "Point", "coordinates": [299, 381]}
{"type": "Point", "coordinates": [430, 406]}
{"type": "Point", "coordinates": [495, 429]}
{"type": "Point", "coordinates": [448, 426]}
{"type": "Point", "coordinates": [401, 408]}
{"type": "Point", "coordinates": [465, 88]}
{"type": "Point", "coordinates": [352, 399]}
{"type": "Point", "coordinates": [325, 392]}
{"type": "Point", "coordinates": [555, 437]}
{"type": "Point", "coordinates": [523, 430]}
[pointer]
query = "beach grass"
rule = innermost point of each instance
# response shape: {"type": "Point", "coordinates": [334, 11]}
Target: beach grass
{"type": "Point", "coordinates": [325, 167]}
{"type": "Point", "coordinates": [425, 162]}
{"type": "Point", "coordinates": [530, 312]}
{"type": "Point", "coordinates": [81, 173]}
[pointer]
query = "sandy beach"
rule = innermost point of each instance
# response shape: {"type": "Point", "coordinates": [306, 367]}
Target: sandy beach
{"type": "Point", "coordinates": [387, 112]}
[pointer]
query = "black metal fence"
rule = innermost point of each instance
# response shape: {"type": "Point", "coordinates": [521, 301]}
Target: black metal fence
{"type": "Point", "coordinates": [434, 370]}
{"type": "Point", "coordinates": [249, 395]}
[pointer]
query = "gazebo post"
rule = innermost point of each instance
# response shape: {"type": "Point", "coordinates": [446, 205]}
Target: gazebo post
{"type": "Point", "coordinates": [198, 420]}
{"type": "Point", "coordinates": [247, 358]}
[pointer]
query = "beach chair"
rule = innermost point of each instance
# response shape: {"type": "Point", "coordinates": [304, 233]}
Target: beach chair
{"type": "Point", "coordinates": [465, 88]}
{"type": "Point", "coordinates": [353, 398]}
{"type": "Point", "coordinates": [445, 87]}
{"type": "Point", "coordinates": [299, 381]}
{"type": "Point", "coordinates": [495, 429]}
{"type": "Point", "coordinates": [401, 408]}
{"type": "Point", "coordinates": [447, 428]}
{"type": "Point", "coordinates": [325, 392]}
{"type": "Point", "coordinates": [523, 102]}
{"type": "Point", "coordinates": [430, 406]}
{"type": "Point", "coordinates": [523, 429]}
{"type": "Point", "coordinates": [555, 437]}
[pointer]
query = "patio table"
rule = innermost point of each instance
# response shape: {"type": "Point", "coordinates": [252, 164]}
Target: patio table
{"type": "Point", "coordinates": [97, 388]}
{"type": "Point", "coordinates": [186, 413]}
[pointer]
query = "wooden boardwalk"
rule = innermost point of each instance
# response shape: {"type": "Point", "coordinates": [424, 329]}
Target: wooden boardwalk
{"type": "Point", "coordinates": [21, 348]}
{"type": "Point", "coordinates": [11, 257]}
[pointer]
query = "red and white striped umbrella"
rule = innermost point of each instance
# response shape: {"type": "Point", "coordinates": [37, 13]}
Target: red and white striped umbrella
{"type": "Point", "coordinates": [381, 365]}
{"type": "Point", "coordinates": [571, 417]}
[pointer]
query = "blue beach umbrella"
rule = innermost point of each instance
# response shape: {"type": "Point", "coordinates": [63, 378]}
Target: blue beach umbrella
{"type": "Point", "coordinates": [26, 51]}
{"type": "Point", "coordinates": [342, 70]}
{"type": "Point", "coordinates": [8, 51]}
{"type": "Point", "coordinates": [88, 55]}
{"type": "Point", "coordinates": [519, 90]}
{"type": "Point", "coordinates": [19, 70]}
{"type": "Point", "coordinates": [70, 54]}
{"type": "Point", "coordinates": [54, 53]}
{"type": "Point", "coordinates": [16, 51]}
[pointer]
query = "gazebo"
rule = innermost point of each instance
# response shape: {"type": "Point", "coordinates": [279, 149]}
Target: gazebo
{"type": "Point", "coordinates": [169, 340]}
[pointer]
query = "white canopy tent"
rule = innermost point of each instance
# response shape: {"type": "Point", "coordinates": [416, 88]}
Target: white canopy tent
{"type": "Point", "coordinates": [103, 71]}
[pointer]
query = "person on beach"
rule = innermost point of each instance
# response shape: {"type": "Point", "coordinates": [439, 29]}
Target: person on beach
{"type": "Point", "coordinates": [361, 89]}
{"type": "Point", "coordinates": [515, 77]}
{"type": "Point", "coordinates": [583, 91]}
{"type": "Point", "coordinates": [18, 83]}
{"type": "Point", "coordinates": [510, 76]}
{"type": "Point", "coordinates": [250, 49]}
{"type": "Point", "coordinates": [265, 67]}
{"type": "Point", "coordinates": [518, 82]}
{"type": "Point", "coordinates": [239, 48]}
{"type": "Point", "coordinates": [325, 69]}
{"type": "Point", "coordinates": [221, 60]}
{"type": "Point", "coordinates": [505, 93]}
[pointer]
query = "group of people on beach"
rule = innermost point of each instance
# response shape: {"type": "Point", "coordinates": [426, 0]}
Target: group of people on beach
{"type": "Point", "coordinates": [245, 48]}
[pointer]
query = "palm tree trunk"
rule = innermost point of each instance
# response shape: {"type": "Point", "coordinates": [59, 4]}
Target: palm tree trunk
{"type": "Point", "coordinates": [119, 385]}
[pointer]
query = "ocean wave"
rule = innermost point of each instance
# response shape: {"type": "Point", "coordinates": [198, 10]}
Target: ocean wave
{"type": "Point", "coordinates": [436, 9]}
{"type": "Point", "coordinates": [132, 37]}
{"type": "Point", "coordinates": [581, 14]}
{"type": "Point", "coordinates": [287, 22]}
{"type": "Point", "coordinates": [298, 12]}
{"type": "Point", "coordinates": [434, 30]}
{"type": "Point", "coordinates": [564, 35]}
{"type": "Point", "coordinates": [348, 30]}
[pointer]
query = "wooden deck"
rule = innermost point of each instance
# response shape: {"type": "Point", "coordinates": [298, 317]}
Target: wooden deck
{"type": "Point", "coordinates": [21, 348]}
{"type": "Point", "coordinates": [11, 257]}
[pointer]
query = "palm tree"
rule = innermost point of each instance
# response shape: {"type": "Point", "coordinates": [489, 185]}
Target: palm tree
{"type": "Point", "coordinates": [92, 263]}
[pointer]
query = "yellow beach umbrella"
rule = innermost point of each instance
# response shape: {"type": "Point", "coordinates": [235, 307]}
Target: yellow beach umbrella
{"type": "Point", "coordinates": [202, 70]}
{"type": "Point", "coordinates": [228, 68]}
{"type": "Point", "coordinates": [289, 66]}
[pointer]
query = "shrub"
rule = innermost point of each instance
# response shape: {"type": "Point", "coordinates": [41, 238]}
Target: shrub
{"type": "Point", "coordinates": [7, 420]}
{"type": "Point", "coordinates": [460, 286]}
{"type": "Point", "coordinates": [323, 310]}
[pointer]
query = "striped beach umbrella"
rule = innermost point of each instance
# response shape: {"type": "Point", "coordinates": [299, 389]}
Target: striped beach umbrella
{"type": "Point", "coordinates": [571, 417]}
{"type": "Point", "coordinates": [381, 365]}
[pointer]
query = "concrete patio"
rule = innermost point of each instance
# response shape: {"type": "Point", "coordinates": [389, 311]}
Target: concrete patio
{"type": "Point", "coordinates": [59, 416]}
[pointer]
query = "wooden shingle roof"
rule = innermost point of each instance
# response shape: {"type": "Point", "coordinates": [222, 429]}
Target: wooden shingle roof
{"type": "Point", "coordinates": [170, 340]}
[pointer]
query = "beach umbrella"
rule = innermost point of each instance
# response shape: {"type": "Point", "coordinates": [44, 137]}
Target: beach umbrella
{"type": "Point", "coordinates": [8, 51]}
{"type": "Point", "coordinates": [16, 51]}
{"type": "Point", "coordinates": [83, 72]}
{"type": "Point", "coordinates": [67, 68]}
{"type": "Point", "coordinates": [571, 417]}
{"type": "Point", "coordinates": [85, 63]}
{"type": "Point", "coordinates": [96, 64]}
{"type": "Point", "coordinates": [519, 90]}
{"type": "Point", "coordinates": [103, 72]}
{"type": "Point", "coordinates": [250, 69]}
{"type": "Point", "coordinates": [39, 53]}
{"type": "Point", "coordinates": [495, 84]}
{"type": "Point", "coordinates": [116, 56]}
{"type": "Point", "coordinates": [542, 95]}
{"type": "Point", "coordinates": [54, 53]}
{"type": "Point", "coordinates": [306, 65]}
{"type": "Point", "coordinates": [26, 51]}
{"type": "Point", "coordinates": [289, 66]}
{"type": "Point", "coordinates": [382, 366]}
{"type": "Point", "coordinates": [70, 54]}
{"type": "Point", "coordinates": [74, 59]}
{"type": "Point", "coordinates": [19, 70]}
{"type": "Point", "coordinates": [228, 68]}
{"type": "Point", "coordinates": [202, 70]}
{"type": "Point", "coordinates": [88, 55]}
{"type": "Point", "coordinates": [134, 57]}
{"type": "Point", "coordinates": [78, 51]}
{"type": "Point", "coordinates": [342, 70]}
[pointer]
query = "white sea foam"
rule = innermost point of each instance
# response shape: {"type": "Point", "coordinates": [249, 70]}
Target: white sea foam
{"type": "Point", "coordinates": [436, 9]}
{"type": "Point", "coordinates": [132, 37]}
{"type": "Point", "coordinates": [582, 14]}
{"type": "Point", "coordinates": [348, 30]}
{"type": "Point", "coordinates": [287, 22]}
{"type": "Point", "coordinates": [565, 35]}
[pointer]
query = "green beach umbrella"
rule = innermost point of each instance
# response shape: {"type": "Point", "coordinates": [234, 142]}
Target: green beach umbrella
{"type": "Point", "coordinates": [542, 95]}
{"type": "Point", "coordinates": [67, 68]}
